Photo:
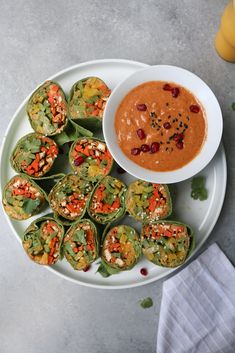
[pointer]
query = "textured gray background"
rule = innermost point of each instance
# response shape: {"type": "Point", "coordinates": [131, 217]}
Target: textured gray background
{"type": "Point", "coordinates": [39, 311]}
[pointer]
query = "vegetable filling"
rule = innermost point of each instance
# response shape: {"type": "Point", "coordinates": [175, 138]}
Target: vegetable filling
{"type": "Point", "coordinates": [121, 248]}
{"type": "Point", "coordinates": [42, 243]}
{"type": "Point", "coordinates": [166, 243]}
{"type": "Point", "coordinates": [69, 197]}
{"type": "Point", "coordinates": [34, 155]}
{"type": "Point", "coordinates": [88, 98]}
{"type": "Point", "coordinates": [80, 245]}
{"type": "Point", "coordinates": [148, 201]}
{"type": "Point", "coordinates": [47, 109]}
{"type": "Point", "coordinates": [108, 200]}
{"type": "Point", "coordinates": [90, 158]}
{"type": "Point", "coordinates": [22, 198]}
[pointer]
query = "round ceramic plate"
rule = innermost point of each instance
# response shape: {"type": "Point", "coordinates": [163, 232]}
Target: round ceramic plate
{"type": "Point", "coordinates": [202, 216]}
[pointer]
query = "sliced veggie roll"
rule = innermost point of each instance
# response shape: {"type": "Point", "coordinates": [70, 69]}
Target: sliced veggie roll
{"type": "Point", "coordinates": [42, 240]}
{"type": "Point", "coordinates": [147, 201]}
{"type": "Point", "coordinates": [121, 248]}
{"type": "Point", "coordinates": [80, 244]}
{"type": "Point", "coordinates": [34, 155]}
{"type": "Point", "coordinates": [167, 243]}
{"type": "Point", "coordinates": [22, 197]}
{"type": "Point", "coordinates": [107, 202]}
{"type": "Point", "coordinates": [69, 196]}
{"type": "Point", "coordinates": [47, 109]}
{"type": "Point", "coordinates": [90, 158]}
{"type": "Point", "coordinates": [87, 101]}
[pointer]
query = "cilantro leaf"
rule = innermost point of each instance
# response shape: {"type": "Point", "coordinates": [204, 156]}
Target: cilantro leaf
{"type": "Point", "coordinates": [106, 270]}
{"type": "Point", "coordinates": [233, 106]}
{"type": "Point", "coordinates": [80, 236]}
{"type": "Point", "coordinates": [29, 205]}
{"type": "Point", "coordinates": [198, 188]}
{"type": "Point", "coordinates": [146, 303]}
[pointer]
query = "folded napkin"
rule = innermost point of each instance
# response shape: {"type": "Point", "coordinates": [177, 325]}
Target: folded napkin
{"type": "Point", "coordinates": [198, 307]}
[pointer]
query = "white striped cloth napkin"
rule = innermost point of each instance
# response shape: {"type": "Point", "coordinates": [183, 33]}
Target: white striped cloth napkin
{"type": "Point", "coordinates": [198, 307]}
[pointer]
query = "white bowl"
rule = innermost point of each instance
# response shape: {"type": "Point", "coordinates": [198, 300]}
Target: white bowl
{"type": "Point", "coordinates": [202, 92]}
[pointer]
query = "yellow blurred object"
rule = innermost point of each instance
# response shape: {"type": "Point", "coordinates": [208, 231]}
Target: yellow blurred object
{"type": "Point", "coordinates": [225, 38]}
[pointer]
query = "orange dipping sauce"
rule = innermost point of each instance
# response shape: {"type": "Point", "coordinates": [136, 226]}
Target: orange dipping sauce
{"type": "Point", "coordinates": [160, 126]}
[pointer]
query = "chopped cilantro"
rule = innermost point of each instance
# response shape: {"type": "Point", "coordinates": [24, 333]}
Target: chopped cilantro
{"type": "Point", "coordinates": [146, 303]}
{"type": "Point", "coordinates": [199, 190]}
{"type": "Point", "coordinates": [233, 106]}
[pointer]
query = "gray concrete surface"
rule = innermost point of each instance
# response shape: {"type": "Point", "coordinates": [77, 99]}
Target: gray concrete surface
{"type": "Point", "coordinates": [40, 312]}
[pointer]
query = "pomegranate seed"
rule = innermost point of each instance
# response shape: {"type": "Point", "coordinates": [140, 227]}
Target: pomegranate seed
{"type": "Point", "coordinates": [175, 92]}
{"type": "Point", "coordinates": [155, 147]}
{"type": "Point", "coordinates": [194, 108]}
{"type": "Point", "coordinates": [135, 151]}
{"type": "Point", "coordinates": [144, 271]}
{"type": "Point", "coordinates": [78, 161]}
{"type": "Point", "coordinates": [167, 126]}
{"type": "Point", "coordinates": [120, 170]}
{"type": "Point", "coordinates": [180, 145]}
{"type": "Point", "coordinates": [178, 137]}
{"type": "Point", "coordinates": [167, 87]}
{"type": "Point", "coordinates": [86, 269]}
{"type": "Point", "coordinates": [141, 134]}
{"type": "Point", "coordinates": [141, 107]}
{"type": "Point", "coordinates": [145, 148]}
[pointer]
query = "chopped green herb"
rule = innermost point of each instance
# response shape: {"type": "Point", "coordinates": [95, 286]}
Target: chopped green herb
{"type": "Point", "coordinates": [105, 270]}
{"type": "Point", "coordinates": [199, 190]}
{"type": "Point", "coordinates": [146, 303]}
{"type": "Point", "coordinates": [29, 205]}
{"type": "Point", "coordinates": [233, 106]}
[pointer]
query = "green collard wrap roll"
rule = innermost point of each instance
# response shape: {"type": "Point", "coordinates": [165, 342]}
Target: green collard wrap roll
{"type": "Point", "coordinates": [42, 240]}
{"type": "Point", "coordinates": [148, 202]}
{"type": "Point", "coordinates": [90, 158]}
{"type": "Point", "coordinates": [34, 155]}
{"type": "Point", "coordinates": [47, 109]}
{"type": "Point", "coordinates": [167, 243]}
{"type": "Point", "coordinates": [121, 248]}
{"type": "Point", "coordinates": [81, 246]}
{"type": "Point", "coordinates": [68, 198]}
{"type": "Point", "coordinates": [87, 101]}
{"type": "Point", "coordinates": [107, 201]}
{"type": "Point", "coordinates": [22, 197]}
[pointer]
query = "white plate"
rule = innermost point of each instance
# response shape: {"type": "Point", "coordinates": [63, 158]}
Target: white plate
{"type": "Point", "coordinates": [200, 90]}
{"type": "Point", "coordinates": [202, 216]}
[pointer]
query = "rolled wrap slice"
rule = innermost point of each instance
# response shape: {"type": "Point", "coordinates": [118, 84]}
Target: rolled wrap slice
{"type": "Point", "coordinates": [87, 101]}
{"type": "Point", "coordinates": [47, 109]}
{"type": "Point", "coordinates": [107, 201]}
{"type": "Point", "coordinates": [121, 248]}
{"type": "Point", "coordinates": [34, 155]}
{"type": "Point", "coordinates": [167, 243]}
{"type": "Point", "coordinates": [90, 158]}
{"type": "Point", "coordinates": [148, 201]}
{"type": "Point", "coordinates": [80, 245]}
{"type": "Point", "coordinates": [22, 197]}
{"type": "Point", "coordinates": [42, 240]}
{"type": "Point", "coordinates": [68, 198]}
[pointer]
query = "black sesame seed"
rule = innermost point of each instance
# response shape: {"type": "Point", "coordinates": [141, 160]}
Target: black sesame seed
{"type": "Point", "coordinates": [177, 129]}
{"type": "Point", "coordinates": [168, 142]}
{"type": "Point", "coordinates": [159, 120]}
{"type": "Point", "coordinates": [188, 118]}
{"type": "Point", "coordinates": [180, 114]}
{"type": "Point", "coordinates": [169, 116]}
{"type": "Point", "coordinates": [186, 126]}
